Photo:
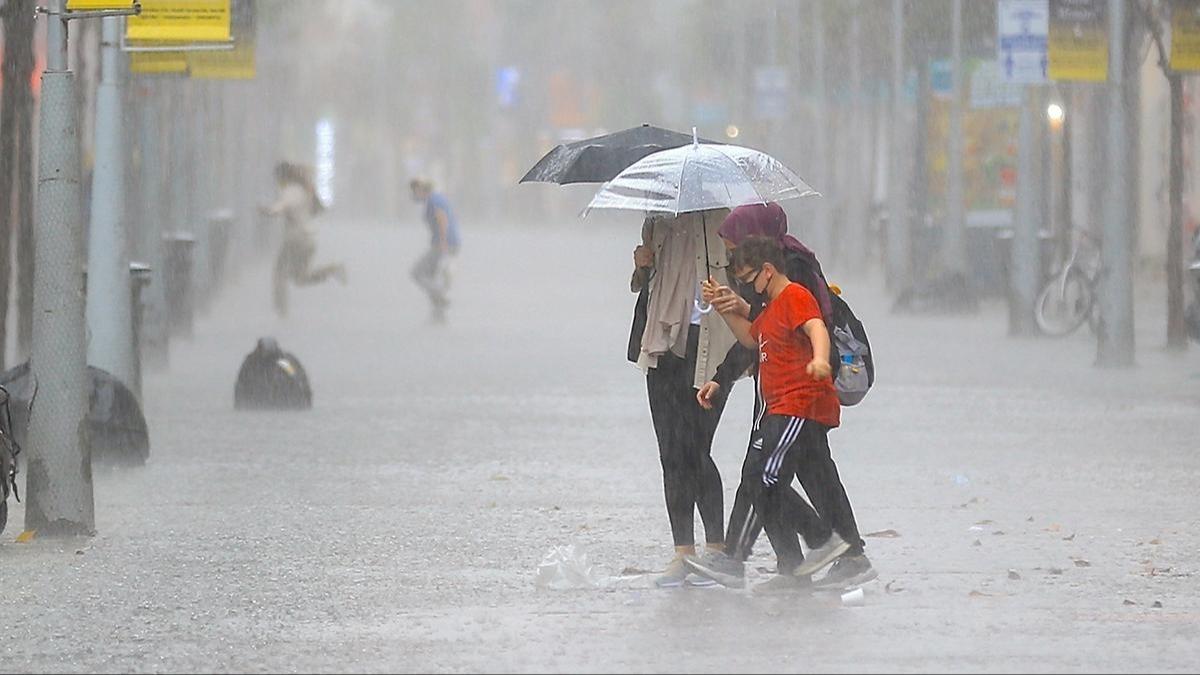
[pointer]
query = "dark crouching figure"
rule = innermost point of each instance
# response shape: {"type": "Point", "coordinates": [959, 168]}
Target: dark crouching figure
{"type": "Point", "coordinates": [271, 379]}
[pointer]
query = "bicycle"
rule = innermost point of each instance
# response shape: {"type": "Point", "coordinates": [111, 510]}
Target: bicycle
{"type": "Point", "coordinates": [1069, 298]}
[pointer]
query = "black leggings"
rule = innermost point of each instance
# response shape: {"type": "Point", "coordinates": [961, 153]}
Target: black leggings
{"type": "Point", "coordinates": [685, 434]}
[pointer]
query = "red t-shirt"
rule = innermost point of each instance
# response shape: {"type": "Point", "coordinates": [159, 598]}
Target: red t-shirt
{"type": "Point", "coordinates": [784, 352]}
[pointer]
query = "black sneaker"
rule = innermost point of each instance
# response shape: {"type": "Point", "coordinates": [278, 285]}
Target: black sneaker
{"type": "Point", "coordinates": [719, 567]}
{"type": "Point", "coordinates": [848, 571]}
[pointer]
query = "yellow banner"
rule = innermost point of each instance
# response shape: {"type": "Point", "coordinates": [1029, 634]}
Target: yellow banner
{"type": "Point", "coordinates": [1078, 44]}
{"type": "Point", "coordinates": [92, 5]}
{"type": "Point", "coordinates": [157, 63]}
{"type": "Point", "coordinates": [181, 21]}
{"type": "Point", "coordinates": [237, 63]}
{"type": "Point", "coordinates": [1185, 35]}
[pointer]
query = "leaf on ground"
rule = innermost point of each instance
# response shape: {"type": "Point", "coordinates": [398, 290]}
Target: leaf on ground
{"type": "Point", "coordinates": [499, 477]}
{"type": "Point", "coordinates": [1129, 603]}
{"type": "Point", "coordinates": [980, 594]}
{"type": "Point", "coordinates": [1054, 528]}
{"type": "Point", "coordinates": [1155, 542]}
{"type": "Point", "coordinates": [1080, 562]}
{"type": "Point", "coordinates": [1070, 538]}
{"type": "Point", "coordinates": [26, 536]}
{"type": "Point", "coordinates": [998, 533]}
{"type": "Point", "coordinates": [884, 534]}
{"type": "Point", "coordinates": [1029, 519]}
{"type": "Point", "coordinates": [986, 522]}
{"type": "Point", "coordinates": [1012, 574]}
{"type": "Point", "coordinates": [1157, 605]}
{"type": "Point", "coordinates": [890, 589]}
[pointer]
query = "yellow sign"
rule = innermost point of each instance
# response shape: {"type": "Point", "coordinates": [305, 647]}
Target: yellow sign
{"type": "Point", "coordinates": [157, 63]}
{"type": "Point", "coordinates": [1078, 44]}
{"type": "Point", "coordinates": [92, 5]}
{"type": "Point", "coordinates": [181, 21]}
{"type": "Point", "coordinates": [1185, 35]}
{"type": "Point", "coordinates": [234, 64]}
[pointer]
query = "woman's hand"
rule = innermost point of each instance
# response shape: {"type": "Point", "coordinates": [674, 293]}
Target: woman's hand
{"type": "Point", "coordinates": [643, 257]}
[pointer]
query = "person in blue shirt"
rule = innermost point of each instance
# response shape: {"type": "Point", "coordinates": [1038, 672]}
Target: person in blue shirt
{"type": "Point", "coordinates": [432, 271]}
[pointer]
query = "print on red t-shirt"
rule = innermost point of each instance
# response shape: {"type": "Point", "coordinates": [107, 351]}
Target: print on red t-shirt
{"type": "Point", "coordinates": [784, 352]}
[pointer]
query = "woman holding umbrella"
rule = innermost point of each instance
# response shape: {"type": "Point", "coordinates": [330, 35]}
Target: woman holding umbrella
{"type": "Point", "coordinates": [679, 344]}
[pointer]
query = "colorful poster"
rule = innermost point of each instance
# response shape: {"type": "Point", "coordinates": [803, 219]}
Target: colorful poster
{"type": "Point", "coordinates": [989, 146]}
{"type": "Point", "coordinates": [1078, 47]}
{"type": "Point", "coordinates": [1185, 35]}
{"type": "Point", "coordinates": [181, 21]}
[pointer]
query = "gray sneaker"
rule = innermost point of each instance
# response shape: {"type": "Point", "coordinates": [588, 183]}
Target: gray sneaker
{"type": "Point", "coordinates": [848, 571]}
{"type": "Point", "coordinates": [785, 583]}
{"type": "Point", "coordinates": [719, 567]}
{"type": "Point", "coordinates": [822, 555]}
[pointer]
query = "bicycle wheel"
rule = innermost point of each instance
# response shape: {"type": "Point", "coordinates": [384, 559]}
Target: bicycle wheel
{"type": "Point", "coordinates": [1063, 306]}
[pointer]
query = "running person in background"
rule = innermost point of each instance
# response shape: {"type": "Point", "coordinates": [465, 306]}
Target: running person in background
{"type": "Point", "coordinates": [432, 271]}
{"type": "Point", "coordinates": [298, 203]}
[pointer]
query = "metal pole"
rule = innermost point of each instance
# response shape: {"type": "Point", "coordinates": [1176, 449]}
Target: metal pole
{"type": "Point", "coordinates": [899, 274]}
{"type": "Point", "coordinates": [1116, 342]}
{"type": "Point", "coordinates": [1024, 264]}
{"type": "Point", "coordinates": [109, 314]}
{"type": "Point", "coordinates": [954, 253]}
{"type": "Point", "coordinates": [822, 237]}
{"type": "Point", "coordinates": [1177, 337]}
{"type": "Point", "coordinates": [59, 478]}
{"type": "Point", "coordinates": [857, 182]}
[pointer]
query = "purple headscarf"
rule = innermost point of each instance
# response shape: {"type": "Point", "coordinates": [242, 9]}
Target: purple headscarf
{"type": "Point", "coordinates": [770, 220]}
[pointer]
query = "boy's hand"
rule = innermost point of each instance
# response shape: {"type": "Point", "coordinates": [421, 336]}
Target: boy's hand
{"type": "Point", "coordinates": [819, 370]}
{"type": "Point", "coordinates": [706, 394]}
{"type": "Point", "coordinates": [722, 297]}
{"type": "Point", "coordinates": [731, 303]}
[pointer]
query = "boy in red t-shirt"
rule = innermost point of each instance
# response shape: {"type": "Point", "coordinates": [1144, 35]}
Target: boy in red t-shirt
{"type": "Point", "coordinates": [802, 405]}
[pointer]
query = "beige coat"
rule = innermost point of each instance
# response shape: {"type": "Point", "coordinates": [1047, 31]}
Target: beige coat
{"type": "Point", "coordinates": [715, 336]}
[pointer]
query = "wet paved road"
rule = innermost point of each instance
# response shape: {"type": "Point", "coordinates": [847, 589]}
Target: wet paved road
{"type": "Point", "coordinates": [398, 525]}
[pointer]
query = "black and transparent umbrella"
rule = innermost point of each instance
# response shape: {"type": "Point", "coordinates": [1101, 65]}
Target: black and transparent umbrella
{"type": "Point", "coordinates": [600, 159]}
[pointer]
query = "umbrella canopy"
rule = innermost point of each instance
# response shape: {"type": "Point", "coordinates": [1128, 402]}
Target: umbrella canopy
{"type": "Point", "coordinates": [599, 159]}
{"type": "Point", "coordinates": [116, 426]}
{"type": "Point", "coordinates": [699, 177]}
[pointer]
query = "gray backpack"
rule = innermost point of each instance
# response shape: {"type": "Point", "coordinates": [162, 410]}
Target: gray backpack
{"type": "Point", "coordinates": [855, 370]}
